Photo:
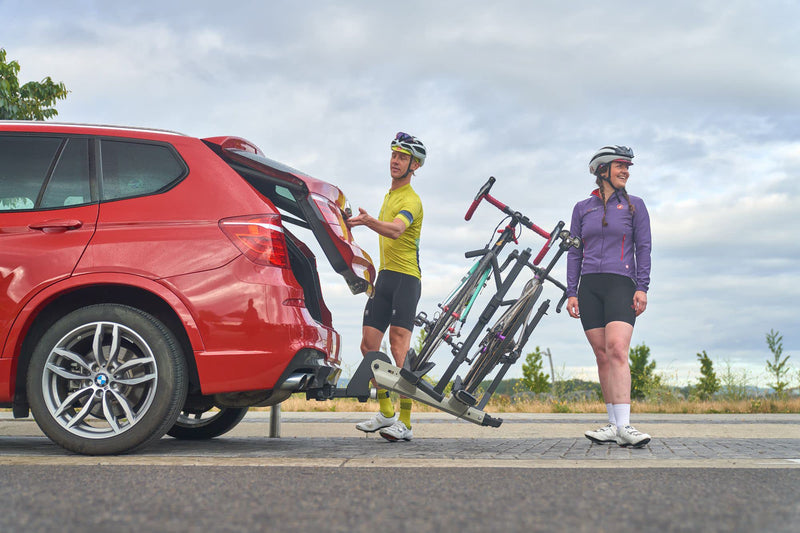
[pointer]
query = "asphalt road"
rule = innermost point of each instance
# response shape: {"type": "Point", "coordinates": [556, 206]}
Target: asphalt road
{"type": "Point", "coordinates": [535, 473]}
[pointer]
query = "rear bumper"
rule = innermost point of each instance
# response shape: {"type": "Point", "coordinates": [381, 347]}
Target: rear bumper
{"type": "Point", "coordinates": [254, 326]}
{"type": "Point", "coordinates": [227, 371]}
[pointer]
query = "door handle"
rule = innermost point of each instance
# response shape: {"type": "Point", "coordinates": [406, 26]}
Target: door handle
{"type": "Point", "coordinates": [57, 225]}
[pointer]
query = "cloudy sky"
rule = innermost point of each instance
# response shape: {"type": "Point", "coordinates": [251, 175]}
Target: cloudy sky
{"type": "Point", "coordinates": [707, 93]}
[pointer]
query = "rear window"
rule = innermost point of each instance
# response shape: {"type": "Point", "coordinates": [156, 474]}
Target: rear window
{"type": "Point", "coordinates": [43, 172]}
{"type": "Point", "coordinates": [134, 169]}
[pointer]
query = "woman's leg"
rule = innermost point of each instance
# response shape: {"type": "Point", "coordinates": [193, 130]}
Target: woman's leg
{"type": "Point", "coordinates": [617, 346]}
{"type": "Point", "coordinates": [597, 340]}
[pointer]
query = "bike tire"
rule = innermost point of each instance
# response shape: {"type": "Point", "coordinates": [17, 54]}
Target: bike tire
{"type": "Point", "coordinates": [451, 311]}
{"type": "Point", "coordinates": [500, 338]}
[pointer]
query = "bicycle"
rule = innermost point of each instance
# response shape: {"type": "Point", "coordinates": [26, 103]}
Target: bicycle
{"type": "Point", "coordinates": [459, 303]}
{"type": "Point", "coordinates": [499, 344]}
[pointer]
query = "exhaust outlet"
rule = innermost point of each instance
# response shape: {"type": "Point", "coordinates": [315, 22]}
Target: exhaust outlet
{"type": "Point", "coordinates": [296, 382]}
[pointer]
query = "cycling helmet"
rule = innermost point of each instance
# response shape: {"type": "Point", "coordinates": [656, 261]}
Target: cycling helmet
{"type": "Point", "coordinates": [607, 154]}
{"type": "Point", "coordinates": [408, 144]}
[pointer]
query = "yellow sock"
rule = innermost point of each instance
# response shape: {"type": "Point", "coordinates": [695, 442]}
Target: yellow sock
{"type": "Point", "coordinates": [387, 409]}
{"type": "Point", "coordinates": [405, 411]}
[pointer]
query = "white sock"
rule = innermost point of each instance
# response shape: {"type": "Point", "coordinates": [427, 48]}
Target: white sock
{"type": "Point", "coordinates": [611, 419]}
{"type": "Point", "coordinates": [622, 414]}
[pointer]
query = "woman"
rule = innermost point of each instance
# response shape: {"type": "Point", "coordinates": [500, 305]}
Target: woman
{"type": "Point", "coordinates": [607, 284]}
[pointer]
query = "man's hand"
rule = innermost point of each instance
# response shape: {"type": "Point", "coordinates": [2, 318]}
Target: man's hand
{"type": "Point", "coordinates": [361, 219]}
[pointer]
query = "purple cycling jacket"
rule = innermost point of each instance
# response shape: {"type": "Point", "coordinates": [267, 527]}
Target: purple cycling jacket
{"type": "Point", "coordinates": [621, 247]}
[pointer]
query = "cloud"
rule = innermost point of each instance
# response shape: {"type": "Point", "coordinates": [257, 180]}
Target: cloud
{"type": "Point", "coordinates": [706, 93]}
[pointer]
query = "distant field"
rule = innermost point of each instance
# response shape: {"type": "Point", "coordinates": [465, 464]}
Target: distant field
{"type": "Point", "coordinates": [503, 404]}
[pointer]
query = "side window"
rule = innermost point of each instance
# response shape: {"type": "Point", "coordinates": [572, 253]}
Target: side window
{"type": "Point", "coordinates": [135, 169]}
{"type": "Point", "coordinates": [69, 184]}
{"type": "Point", "coordinates": [24, 164]}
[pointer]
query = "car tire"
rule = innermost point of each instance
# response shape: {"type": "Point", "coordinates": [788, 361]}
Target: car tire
{"type": "Point", "coordinates": [192, 425]}
{"type": "Point", "coordinates": [106, 379]}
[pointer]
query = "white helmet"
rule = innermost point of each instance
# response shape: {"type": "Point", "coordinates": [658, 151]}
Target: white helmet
{"type": "Point", "coordinates": [608, 154]}
{"type": "Point", "coordinates": [410, 145]}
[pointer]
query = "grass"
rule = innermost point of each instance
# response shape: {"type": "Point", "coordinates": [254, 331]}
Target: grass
{"type": "Point", "coordinates": [503, 404]}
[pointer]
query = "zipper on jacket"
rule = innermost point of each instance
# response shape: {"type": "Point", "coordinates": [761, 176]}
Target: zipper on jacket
{"type": "Point", "coordinates": [622, 249]}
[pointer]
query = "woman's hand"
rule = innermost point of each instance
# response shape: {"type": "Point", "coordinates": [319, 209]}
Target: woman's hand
{"type": "Point", "coordinates": [639, 302]}
{"type": "Point", "coordinates": [572, 307]}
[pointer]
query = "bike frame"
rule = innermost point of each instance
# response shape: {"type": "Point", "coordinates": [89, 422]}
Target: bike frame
{"type": "Point", "coordinates": [487, 265]}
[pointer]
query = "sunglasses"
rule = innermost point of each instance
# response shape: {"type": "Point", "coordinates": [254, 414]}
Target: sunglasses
{"type": "Point", "coordinates": [403, 137]}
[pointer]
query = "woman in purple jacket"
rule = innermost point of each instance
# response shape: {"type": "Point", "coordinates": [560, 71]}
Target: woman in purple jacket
{"type": "Point", "coordinates": [607, 282]}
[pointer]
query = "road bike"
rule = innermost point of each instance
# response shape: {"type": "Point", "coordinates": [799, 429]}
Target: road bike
{"type": "Point", "coordinates": [445, 327]}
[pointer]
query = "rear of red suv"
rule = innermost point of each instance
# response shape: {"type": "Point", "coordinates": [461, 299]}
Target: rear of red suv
{"type": "Point", "coordinates": [152, 282]}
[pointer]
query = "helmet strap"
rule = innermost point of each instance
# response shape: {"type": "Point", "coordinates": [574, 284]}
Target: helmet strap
{"type": "Point", "coordinates": [408, 170]}
{"type": "Point", "coordinates": [606, 176]}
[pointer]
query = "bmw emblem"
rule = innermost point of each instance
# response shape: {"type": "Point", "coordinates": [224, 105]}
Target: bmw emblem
{"type": "Point", "coordinates": [101, 380]}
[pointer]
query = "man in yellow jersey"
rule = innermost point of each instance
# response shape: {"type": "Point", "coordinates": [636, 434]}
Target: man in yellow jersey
{"type": "Point", "coordinates": [398, 287]}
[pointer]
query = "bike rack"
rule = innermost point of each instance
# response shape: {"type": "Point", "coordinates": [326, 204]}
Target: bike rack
{"type": "Point", "coordinates": [377, 366]}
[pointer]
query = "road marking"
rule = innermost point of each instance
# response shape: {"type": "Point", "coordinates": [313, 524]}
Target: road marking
{"type": "Point", "coordinates": [333, 462]}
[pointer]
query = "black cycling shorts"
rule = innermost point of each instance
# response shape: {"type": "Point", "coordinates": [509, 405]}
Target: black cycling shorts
{"type": "Point", "coordinates": [394, 302]}
{"type": "Point", "coordinates": [604, 298]}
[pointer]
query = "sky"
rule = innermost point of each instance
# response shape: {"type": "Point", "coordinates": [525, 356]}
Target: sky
{"type": "Point", "coordinates": [706, 92]}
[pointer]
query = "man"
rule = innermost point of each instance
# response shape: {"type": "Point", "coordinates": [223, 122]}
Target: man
{"type": "Point", "coordinates": [398, 287]}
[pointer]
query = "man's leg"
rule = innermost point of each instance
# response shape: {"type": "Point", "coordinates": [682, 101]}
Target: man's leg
{"type": "Point", "coordinates": [371, 339]}
{"type": "Point", "coordinates": [400, 342]}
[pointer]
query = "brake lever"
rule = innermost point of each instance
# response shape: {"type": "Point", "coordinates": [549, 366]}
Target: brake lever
{"type": "Point", "coordinates": [561, 302]}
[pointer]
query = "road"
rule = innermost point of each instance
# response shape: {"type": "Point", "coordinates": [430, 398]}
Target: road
{"type": "Point", "coordinates": [534, 473]}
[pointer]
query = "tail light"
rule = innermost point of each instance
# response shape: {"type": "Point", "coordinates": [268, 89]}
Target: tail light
{"type": "Point", "coordinates": [332, 213]}
{"type": "Point", "coordinates": [259, 238]}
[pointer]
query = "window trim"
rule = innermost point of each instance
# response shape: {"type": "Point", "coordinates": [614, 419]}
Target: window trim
{"type": "Point", "coordinates": [98, 144]}
{"type": "Point", "coordinates": [64, 138]}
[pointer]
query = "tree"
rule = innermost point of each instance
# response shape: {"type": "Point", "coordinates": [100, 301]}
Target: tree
{"type": "Point", "coordinates": [778, 368]}
{"type": "Point", "coordinates": [32, 101]}
{"type": "Point", "coordinates": [532, 376]}
{"type": "Point", "coordinates": [643, 377]}
{"type": "Point", "coordinates": [420, 342]}
{"type": "Point", "coordinates": [709, 384]}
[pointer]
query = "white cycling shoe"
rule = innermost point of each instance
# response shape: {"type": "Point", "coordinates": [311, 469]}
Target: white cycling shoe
{"type": "Point", "coordinates": [629, 437]}
{"type": "Point", "coordinates": [604, 435]}
{"type": "Point", "coordinates": [376, 422]}
{"type": "Point", "coordinates": [397, 431]}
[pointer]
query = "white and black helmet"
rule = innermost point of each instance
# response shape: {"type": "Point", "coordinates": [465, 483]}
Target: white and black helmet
{"type": "Point", "coordinates": [608, 154]}
{"type": "Point", "coordinates": [403, 142]}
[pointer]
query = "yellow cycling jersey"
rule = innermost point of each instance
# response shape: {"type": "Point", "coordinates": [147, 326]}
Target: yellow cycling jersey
{"type": "Point", "coordinates": [402, 254]}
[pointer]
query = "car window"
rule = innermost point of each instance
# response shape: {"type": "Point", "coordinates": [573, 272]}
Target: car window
{"type": "Point", "coordinates": [69, 183]}
{"type": "Point", "coordinates": [134, 169]}
{"type": "Point", "coordinates": [24, 166]}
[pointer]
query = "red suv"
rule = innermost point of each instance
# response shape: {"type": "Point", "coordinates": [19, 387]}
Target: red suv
{"type": "Point", "coordinates": [150, 284]}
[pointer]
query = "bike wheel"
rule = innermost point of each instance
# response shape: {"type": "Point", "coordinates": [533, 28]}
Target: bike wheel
{"type": "Point", "coordinates": [451, 311]}
{"type": "Point", "coordinates": [500, 339]}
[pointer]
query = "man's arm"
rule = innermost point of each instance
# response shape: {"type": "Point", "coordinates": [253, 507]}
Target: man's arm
{"type": "Point", "coordinates": [392, 229]}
